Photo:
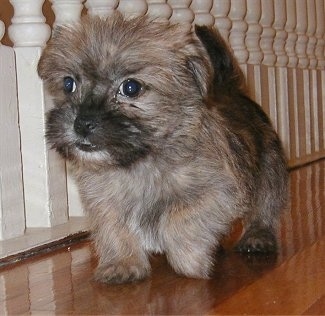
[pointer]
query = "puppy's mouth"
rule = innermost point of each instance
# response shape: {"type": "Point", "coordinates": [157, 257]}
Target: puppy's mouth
{"type": "Point", "coordinates": [87, 146]}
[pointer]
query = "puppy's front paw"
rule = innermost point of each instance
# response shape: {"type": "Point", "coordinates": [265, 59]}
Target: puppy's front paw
{"type": "Point", "coordinates": [121, 273]}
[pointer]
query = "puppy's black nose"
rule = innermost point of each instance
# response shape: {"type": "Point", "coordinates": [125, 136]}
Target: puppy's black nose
{"type": "Point", "coordinates": [84, 125]}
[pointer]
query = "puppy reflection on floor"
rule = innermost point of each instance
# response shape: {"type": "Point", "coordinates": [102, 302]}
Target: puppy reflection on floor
{"type": "Point", "coordinates": [167, 149]}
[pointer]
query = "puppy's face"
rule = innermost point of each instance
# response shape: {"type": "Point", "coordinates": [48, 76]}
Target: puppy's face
{"type": "Point", "coordinates": [122, 89]}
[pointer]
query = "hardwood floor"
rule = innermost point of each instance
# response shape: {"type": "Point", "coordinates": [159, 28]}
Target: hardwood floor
{"type": "Point", "coordinates": [292, 283]}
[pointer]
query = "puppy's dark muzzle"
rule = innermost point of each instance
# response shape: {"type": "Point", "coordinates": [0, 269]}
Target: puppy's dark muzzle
{"type": "Point", "coordinates": [84, 125]}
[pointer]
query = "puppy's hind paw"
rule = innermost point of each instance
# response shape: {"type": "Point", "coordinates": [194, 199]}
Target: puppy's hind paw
{"type": "Point", "coordinates": [257, 240]}
{"type": "Point", "coordinates": [120, 273]}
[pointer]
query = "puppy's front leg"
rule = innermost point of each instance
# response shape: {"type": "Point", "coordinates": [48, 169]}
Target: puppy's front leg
{"type": "Point", "coordinates": [121, 258]}
{"type": "Point", "coordinates": [190, 242]}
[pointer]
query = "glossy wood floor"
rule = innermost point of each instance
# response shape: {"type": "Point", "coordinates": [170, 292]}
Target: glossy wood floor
{"type": "Point", "coordinates": [292, 283]}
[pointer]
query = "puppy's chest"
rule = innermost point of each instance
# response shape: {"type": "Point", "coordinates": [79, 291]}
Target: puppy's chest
{"type": "Point", "coordinates": [149, 222]}
{"type": "Point", "coordinates": [138, 203]}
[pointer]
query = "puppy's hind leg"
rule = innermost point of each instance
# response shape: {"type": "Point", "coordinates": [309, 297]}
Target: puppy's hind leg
{"type": "Point", "coordinates": [258, 238]}
{"type": "Point", "coordinates": [261, 224]}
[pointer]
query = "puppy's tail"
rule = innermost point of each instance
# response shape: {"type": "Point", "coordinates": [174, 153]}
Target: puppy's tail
{"type": "Point", "coordinates": [228, 77]}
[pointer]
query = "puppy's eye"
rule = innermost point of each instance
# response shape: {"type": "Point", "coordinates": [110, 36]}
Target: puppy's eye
{"type": "Point", "coordinates": [130, 88]}
{"type": "Point", "coordinates": [69, 85]}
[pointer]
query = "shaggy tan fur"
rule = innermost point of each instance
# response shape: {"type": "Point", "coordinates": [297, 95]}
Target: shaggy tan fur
{"type": "Point", "coordinates": [166, 148]}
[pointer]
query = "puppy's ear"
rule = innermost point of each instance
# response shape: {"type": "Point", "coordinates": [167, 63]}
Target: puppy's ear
{"type": "Point", "coordinates": [227, 76]}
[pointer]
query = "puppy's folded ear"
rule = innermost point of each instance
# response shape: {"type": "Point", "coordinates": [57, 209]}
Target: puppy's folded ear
{"type": "Point", "coordinates": [201, 70]}
{"type": "Point", "coordinates": [195, 55]}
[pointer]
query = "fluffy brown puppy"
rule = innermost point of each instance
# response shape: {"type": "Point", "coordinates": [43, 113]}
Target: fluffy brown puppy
{"type": "Point", "coordinates": [166, 148]}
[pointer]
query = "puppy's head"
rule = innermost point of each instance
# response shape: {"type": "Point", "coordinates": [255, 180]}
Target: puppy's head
{"type": "Point", "coordinates": [122, 89]}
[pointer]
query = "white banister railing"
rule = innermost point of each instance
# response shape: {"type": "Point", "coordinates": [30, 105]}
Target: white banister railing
{"type": "Point", "coordinates": [12, 220]}
{"type": "Point", "coordinates": [220, 10]}
{"type": "Point", "coordinates": [133, 8]}
{"type": "Point", "coordinates": [159, 9]}
{"type": "Point", "coordinates": [201, 10]}
{"type": "Point", "coordinates": [43, 173]}
{"type": "Point", "coordinates": [101, 8]}
{"type": "Point", "coordinates": [279, 45]}
{"type": "Point", "coordinates": [66, 11]}
{"type": "Point", "coordinates": [181, 12]}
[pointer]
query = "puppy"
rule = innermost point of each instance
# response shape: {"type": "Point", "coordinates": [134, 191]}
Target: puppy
{"type": "Point", "coordinates": [166, 147]}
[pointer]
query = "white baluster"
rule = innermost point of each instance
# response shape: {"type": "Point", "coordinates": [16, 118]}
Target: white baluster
{"type": "Point", "coordinates": [255, 56]}
{"type": "Point", "coordinates": [281, 73]}
{"type": "Point", "coordinates": [268, 32]}
{"type": "Point", "coordinates": [181, 12]}
{"type": "Point", "coordinates": [201, 9]}
{"type": "Point", "coordinates": [319, 52]}
{"type": "Point", "coordinates": [303, 106]}
{"type": "Point", "coordinates": [69, 11]}
{"type": "Point", "coordinates": [293, 106]}
{"type": "Point", "coordinates": [159, 9]}
{"type": "Point", "coordinates": [311, 45]}
{"type": "Point", "coordinates": [303, 62]}
{"type": "Point", "coordinates": [320, 32]}
{"type": "Point", "coordinates": [44, 174]}
{"type": "Point", "coordinates": [133, 8]}
{"type": "Point", "coordinates": [292, 36]}
{"type": "Point", "coordinates": [12, 213]}
{"type": "Point", "coordinates": [280, 33]}
{"type": "Point", "coordinates": [102, 8]}
{"type": "Point", "coordinates": [220, 11]}
{"type": "Point", "coordinates": [311, 29]}
{"type": "Point", "coordinates": [290, 27]}
{"type": "Point", "coordinates": [301, 29]}
{"type": "Point", "coordinates": [238, 32]}
{"type": "Point", "coordinates": [66, 11]}
{"type": "Point", "coordinates": [254, 32]}
{"type": "Point", "coordinates": [28, 24]}
{"type": "Point", "coordinates": [268, 71]}
{"type": "Point", "coordinates": [2, 30]}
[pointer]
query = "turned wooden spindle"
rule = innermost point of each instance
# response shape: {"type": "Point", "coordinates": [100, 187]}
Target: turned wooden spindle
{"type": "Point", "coordinates": [281, 74]}
{"type": "Point", "coordinates": [255, 55]}
{"type": "Point", "coordinates": [28, 28]}
{"type": "Point", "coordinates": [238, 31]}
{"type": "Point", "coordinates": [159, 9]}
{"type": "Point", "coordinates": [43, 172]}
{"type": "Point", "coordinates": [315, 110]}
{"type": "Point", "coordinates": [220, 11]}
{"type": "Point", "coordinates": [311, 29]}
{"type": "Point", "coordinates": [268, 83]}
{"type": "Point", "coordinates": [66, 11]}
{"type": "Point", "coordinates": [102, 8]}
{"type": "Point", "coordinates": [268, 33]}
{"type": "Point", "coordinates": [320, 32]}
{"type": "Point", "coordinates": [2, 30]}
{"type": "Point", "coordinates": [133, 8]}
{"type": "Point", "coordinates": [254, 32]}
{"type": "Point", "coordinates": [201, 9]}
{"type": "Point", "coordinates": [320, 57]}
{"type": "Point", "coordinates": [280, 16]}
{"type": "Point", "coordinates": [181, 12]}
{"type": "Point", "coordinates": [301, 29]}
{"type": "Point", "coordinates": [290, 27]}
{"type": "Point", "coordinates": [12, 215]}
